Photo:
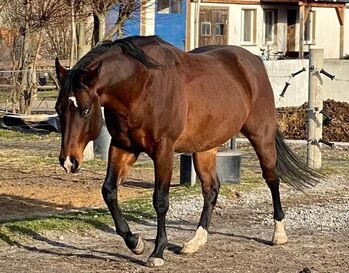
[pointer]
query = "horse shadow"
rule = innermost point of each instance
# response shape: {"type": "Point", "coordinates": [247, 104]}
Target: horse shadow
{"type": "Point", "coordinates": [69, 248]}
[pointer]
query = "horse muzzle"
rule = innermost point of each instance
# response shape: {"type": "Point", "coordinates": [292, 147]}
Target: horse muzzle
{"type": "Point", "coordinates": [70, 164]}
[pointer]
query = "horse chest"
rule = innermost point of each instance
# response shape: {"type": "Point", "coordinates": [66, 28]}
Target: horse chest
{"type": "Point", "coordinates": [125, 134]}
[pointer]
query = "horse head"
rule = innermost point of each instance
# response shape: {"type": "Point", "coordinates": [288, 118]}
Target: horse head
{"type": "Point", "coordinates": [79, 111]}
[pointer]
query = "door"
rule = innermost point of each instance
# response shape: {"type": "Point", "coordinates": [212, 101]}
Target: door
{"type": "Point", "coordinates": [291, 29]}
{"type": "Point", "coordinates": [213, 26]}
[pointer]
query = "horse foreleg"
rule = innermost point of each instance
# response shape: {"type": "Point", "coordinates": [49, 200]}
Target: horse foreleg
{"type": "Point", "coordinates": [118, 164]}
{"type": "Point", "coordinates": [205, 167]}
{"type": "Point", "coordinates": [163, 164]}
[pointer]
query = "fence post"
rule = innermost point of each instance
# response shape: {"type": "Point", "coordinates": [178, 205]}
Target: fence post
{"type": "Point", "coordinates": [315, 104]}
{"type": "Point", "coordinates": [88, 152]}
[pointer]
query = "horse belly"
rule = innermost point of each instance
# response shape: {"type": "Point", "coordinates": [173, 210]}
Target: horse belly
{"type": "Point", "coordinates": [210, 123]}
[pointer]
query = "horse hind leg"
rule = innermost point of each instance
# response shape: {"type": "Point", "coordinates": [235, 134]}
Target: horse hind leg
{"type": "Point", "coordinates": [205, 167]}
{"type": "Point", "coordinates": [266, 151]}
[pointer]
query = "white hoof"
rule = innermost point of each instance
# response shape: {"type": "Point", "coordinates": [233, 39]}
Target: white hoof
{"type": "Point", "coordinates": [153, 262]}
{"type": "Point", "coordinates": [279, 236]}
{"type": "Point", "coordinates": [139, 249]}
{"type": "Point", "coordinates": [196, 242]}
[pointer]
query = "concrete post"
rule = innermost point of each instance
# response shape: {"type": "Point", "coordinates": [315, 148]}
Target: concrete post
{"type": "Point", "coordinates": [88, 152]}
{"type": "Point", "coordinates": [315, 104]}
{"type": "Point", "coordinates": [192, 173]}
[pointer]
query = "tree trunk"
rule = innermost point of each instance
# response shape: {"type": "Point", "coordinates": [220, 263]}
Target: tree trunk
{"type": "Point", "coordinates": [82, 47]}
{"type": "Point", "coordinates": [32, 91]}
{"type": "Point", "coordinates": [98, 27]}
{"type": "Point", "coordinates": [22, 90]}
{"type": "Point", "coordinates": [101, 31]}
{"type": "Point", "coordinates": [73, 34]}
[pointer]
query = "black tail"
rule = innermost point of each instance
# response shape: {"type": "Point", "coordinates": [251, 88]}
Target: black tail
{"type": "Point", "coordinates": [291, 169]}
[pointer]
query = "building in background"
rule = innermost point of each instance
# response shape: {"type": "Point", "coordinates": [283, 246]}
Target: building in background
{"type": "Point", "coordinates": [291, 26]}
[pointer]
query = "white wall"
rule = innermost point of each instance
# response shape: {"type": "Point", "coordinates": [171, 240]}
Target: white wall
{"type": "Point", "coordinates": [346, 32]}
{"type": "Point", "coordinates": [297, 93]}
{"type": "Point", "coordinates": [327, 31]}
{"type": "Point", "coordinates": [279, 72]}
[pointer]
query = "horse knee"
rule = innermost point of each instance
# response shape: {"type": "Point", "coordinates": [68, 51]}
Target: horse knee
{"type": "Point", "coordinates": [161, 203]}
{"type": "Point", "coordinates": [211, 192]}
{"type": "Point", "coordinates": [109, 195]}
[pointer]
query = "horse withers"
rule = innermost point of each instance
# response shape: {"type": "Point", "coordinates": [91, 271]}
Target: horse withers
{"type": "Point", "coordinates": [161, 100]}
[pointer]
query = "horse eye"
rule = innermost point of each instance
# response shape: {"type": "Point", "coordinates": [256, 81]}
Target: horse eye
{"type": "Point", "coordinates": [87, 112]}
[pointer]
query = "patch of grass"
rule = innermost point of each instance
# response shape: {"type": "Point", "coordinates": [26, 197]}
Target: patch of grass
{"type": "Point", "coordinates": [12, 231]}
{"type": "Point", "coordinates": [137, 210]}
{"type": "Point", "coordinates": [17, 136]}
{"type": "Point", "coordinates": [51, 94]}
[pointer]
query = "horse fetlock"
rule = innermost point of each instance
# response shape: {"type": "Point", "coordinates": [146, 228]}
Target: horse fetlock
{"type": "Point", "coordinates": [193, 245]}
{"type": "Point", "coordinates": [154, 262]}
{"type": "Point", "coordinates": [279, 236]}
{"type": "Point", "coordinates": [139, 249]}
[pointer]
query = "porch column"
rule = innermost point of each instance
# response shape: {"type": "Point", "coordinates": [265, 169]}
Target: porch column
{"type": "Point", "coordinates": [301, 31]}
{"type": "Point", "coordinates": [341, 14]}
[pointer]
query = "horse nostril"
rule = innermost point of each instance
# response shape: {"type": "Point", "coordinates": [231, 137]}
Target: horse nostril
{"type": "Point", "coordinates": [75, 165]}
{"type": "Point", "coordinates": [61, 161]}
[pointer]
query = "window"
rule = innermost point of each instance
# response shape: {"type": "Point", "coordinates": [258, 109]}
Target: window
{"type": "Point", "coordinates": [219, 30]}
{"type": "Point", "coordinates": [169, 6]}
{"type": "Point", "coordinates": [206, 29]}
{"type": "Point", "coordinates": [248, 25]}
{"type": "Point", "coordinates": [309, 28]}
{"type": "Point", "coordinates": [269, 25]}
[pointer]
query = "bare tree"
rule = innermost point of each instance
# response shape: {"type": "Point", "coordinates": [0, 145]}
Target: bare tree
{"type": "Point", "coordinates": [99, 10]}
{"type": "Point", "coordinates": [126, 10]}
{"type": "Point", "coordinates": [32, 18]}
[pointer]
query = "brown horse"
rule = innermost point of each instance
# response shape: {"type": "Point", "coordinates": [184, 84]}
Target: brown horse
{"type": "Point", "coordinates": [161, 100]}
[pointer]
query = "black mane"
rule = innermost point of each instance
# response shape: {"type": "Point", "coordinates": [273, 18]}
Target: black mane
{"type": "Point", "coordinates": [129, 46]}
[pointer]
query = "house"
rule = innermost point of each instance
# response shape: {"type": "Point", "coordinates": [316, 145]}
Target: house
{"type": "Point", "coordinates": [288, 26]}
{"type": "Point", "coordinates": [291, 26]}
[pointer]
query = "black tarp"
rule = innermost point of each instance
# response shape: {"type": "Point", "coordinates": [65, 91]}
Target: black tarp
{"type": "Point", "coordinates": [16, 122]}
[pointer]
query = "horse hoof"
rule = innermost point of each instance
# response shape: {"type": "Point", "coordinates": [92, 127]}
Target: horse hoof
{"type": "Point", "coordinates": [279, 239]}
{"type": "Point", "coordinates": [280, 236]}
{"type": "Point", "coordinates": [154, 262]}
{"type": "Point", "coordinates": [196, 242]}
{"type": "Point", "coordinates": [139, 249]}
{"type": "Point", "coordinates": [189, 249]}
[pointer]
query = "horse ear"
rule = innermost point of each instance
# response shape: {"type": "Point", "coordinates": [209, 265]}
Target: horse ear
{"type": "Point", "coordinates": [61, 71]}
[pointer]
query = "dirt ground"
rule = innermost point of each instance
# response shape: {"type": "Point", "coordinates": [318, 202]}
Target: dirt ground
{"type": "Point", "coordinates": [292, 121]}
{"type": "Point", "coordinates": [239, 239]}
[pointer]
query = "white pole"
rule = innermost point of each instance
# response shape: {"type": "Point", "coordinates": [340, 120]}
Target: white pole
{"type": "Point", "coordinates": [197, 25]}
{"type": "Point", "coordinates": [315, 104]}
{"type": "Point", "coordinates": [192, 172]}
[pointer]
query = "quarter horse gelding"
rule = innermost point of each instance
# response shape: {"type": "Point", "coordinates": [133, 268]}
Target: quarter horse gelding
{"type": "Point", "coordinates": [161, 100]}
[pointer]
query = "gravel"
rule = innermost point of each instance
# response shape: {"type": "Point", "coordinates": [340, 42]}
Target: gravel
{"type": "Point", "coordinates": [324, 207]}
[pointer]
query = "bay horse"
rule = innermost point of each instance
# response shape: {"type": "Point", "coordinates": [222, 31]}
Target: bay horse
{"type": "Point", "coordinates": [161, 100]}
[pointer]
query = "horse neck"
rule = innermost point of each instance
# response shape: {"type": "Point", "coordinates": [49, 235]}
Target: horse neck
{"type": "Point", "coordinates": [119, 74]}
